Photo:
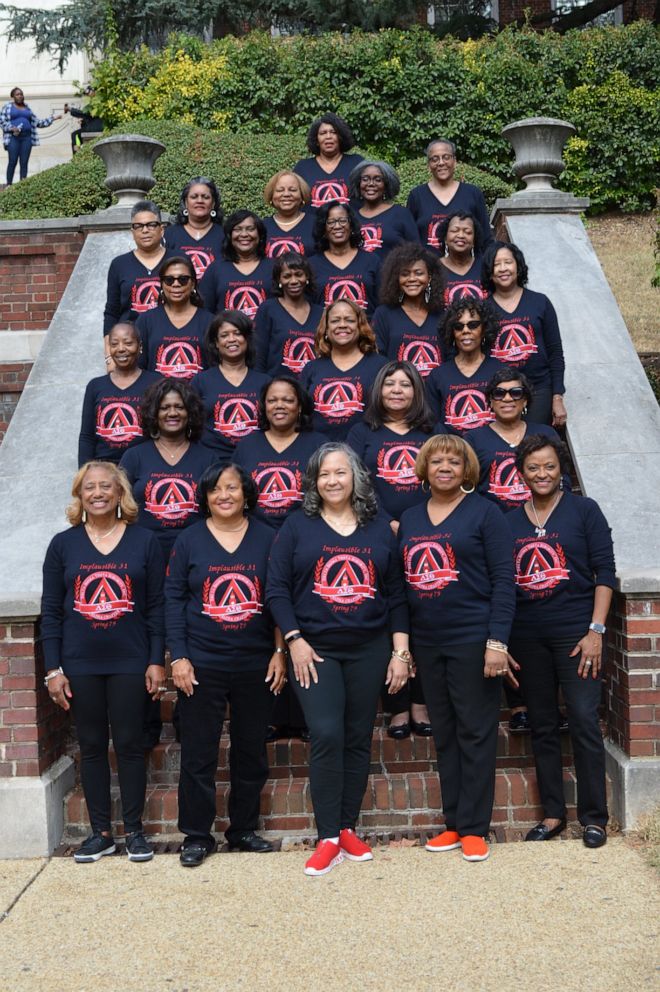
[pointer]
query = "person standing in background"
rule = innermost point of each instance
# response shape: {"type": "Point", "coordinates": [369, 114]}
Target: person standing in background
{"type": "Point", "coordinates": [19, 132]}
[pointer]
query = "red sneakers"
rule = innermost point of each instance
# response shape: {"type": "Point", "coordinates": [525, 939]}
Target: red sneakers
{"type": "Point", "coordinates": [354, 849]}
{"type": "Point", "coordinates": [324, 858]}
{"type": "Point", "coordinates": [447, 841]}
{"type": "Point", "coordinates": [474, 848]}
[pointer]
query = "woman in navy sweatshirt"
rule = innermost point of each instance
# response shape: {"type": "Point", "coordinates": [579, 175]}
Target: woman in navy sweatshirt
{"type": "Point", "coordinates": [341, 267]}
{"type": "Point", "coordinates": [197, 231]}
{"type": "Point", "coordinates": [329, 139]}
{"type": "Point", "coordinates": [224, 650]}
{"type": "Point", "coordinates": [133, 283]}
{"type": "Point", "coordinates": [103, 642]}
{"type": "Point", "coordinates": [456, 551]}
{"type": "Point", "coordinates": [564, 575]}
{"type": "Point", "coordinates": [336, 592]}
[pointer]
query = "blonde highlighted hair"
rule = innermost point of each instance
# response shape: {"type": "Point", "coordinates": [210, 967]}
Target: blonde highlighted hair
{"type": "Point", "coordinates": [129, 508]}
{"type": "Point", "coordinates": [449, 444]}
{"type": "Point", "coordinates": [366, 341]}
{"type": "Point", "coordinates": [269, 188]}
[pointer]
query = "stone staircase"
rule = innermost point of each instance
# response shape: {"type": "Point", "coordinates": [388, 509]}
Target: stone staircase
{"type": "Point", "coordinates": [402, 799]}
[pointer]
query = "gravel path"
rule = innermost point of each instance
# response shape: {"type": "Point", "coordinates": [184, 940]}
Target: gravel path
{"type": "Point", "coordinates": [534, 917]}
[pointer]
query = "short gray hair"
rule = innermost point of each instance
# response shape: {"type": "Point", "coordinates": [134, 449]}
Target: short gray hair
{"type": "Point", "coordinates": [363, 500]}
{"type": "Point", "coordinates": [441, 141]}
{"type": "Point", "coordinates": [145, 206]}
{"type": "Point", "coordinates": [391, 181]}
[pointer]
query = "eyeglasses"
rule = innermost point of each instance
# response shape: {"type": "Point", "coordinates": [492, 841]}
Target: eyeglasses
{"type": "Point", "coordinates": [434, 159]}
{"type": "Point", "coordinates": [342, 222]}
{"type": "Point", "coordinates": [372, 181]}
{"type": "Point", "coordinates": [515, 392]}
{"type": "Point", "coordinates": [175, 280]}
{"type": "Point", "coordinates": [470, 324]}
{"type": "Point", "coordinates": [150, 225]}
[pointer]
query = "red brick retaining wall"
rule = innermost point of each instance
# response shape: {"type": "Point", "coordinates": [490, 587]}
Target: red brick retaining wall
{"type": "Point", "coordinates": [35, 267]}
{"type": "Point", "coordinates": [634, 675]}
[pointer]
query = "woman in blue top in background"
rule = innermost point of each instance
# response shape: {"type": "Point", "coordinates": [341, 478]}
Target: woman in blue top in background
{"type": "Point", "coordinates": [326, 172]}
{"type": "Point", "coordinates": [564, 574]}
{"type": "Point", "coordinates": [19, 127]}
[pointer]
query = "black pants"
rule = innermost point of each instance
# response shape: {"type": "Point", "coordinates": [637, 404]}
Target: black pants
{"type": "Point", "coordinates": [200, 719]}
{"type": "Point", "coordinates": [546, 666]}
{"type": "Point", "coordinates": [119, 699]}
{"type": "Point", "coordinates": [340, 711]}
{"type": "Point", "coordinates": [464, 710]}
{"type": "Point", "coordinates": [401, 701]}
{"type": "Point", "coordinates": [539, 409]}
{"type": "Point", "coordinates": [286, 711]}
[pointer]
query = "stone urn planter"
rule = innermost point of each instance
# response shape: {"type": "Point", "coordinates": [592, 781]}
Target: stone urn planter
{"type": "Point", "coordinates": [538, 143]}
{"type": "Point", "coordinates": [129, 161]}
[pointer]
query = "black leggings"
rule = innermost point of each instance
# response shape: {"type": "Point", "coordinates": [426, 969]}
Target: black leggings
{"type": "Point", "coordinates": [340, 711]}
{"type": "Point", "coordinates": [118, 699]}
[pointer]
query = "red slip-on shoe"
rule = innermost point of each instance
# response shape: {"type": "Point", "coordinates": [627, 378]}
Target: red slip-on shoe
{"type": "Point", "coordinates": [324, 858]}
{"type": "Point", "coordinates": [353, 848]}
{"type": "Point", "coordinates": [447, 841]}
{"type": "Point", "coordinates": [474, 848]}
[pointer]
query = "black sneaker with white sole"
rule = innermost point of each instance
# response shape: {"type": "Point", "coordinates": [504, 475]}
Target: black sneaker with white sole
{"type": "Point", "coordinates": [138, 847]}
{"type": "Point", "coordinates": [94, 848]}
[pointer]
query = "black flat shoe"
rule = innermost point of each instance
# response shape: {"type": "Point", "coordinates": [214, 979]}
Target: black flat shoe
{"type": "Point", "coordinates": [542, 832]}
{"type": "Point", "coordinates": [594, 836]}
{"type": "Point", "coordinates": [193, 855]}
{"type": "Point", "coordinates": [519, 723]}
{"type": "Point", "coordinates": [422, 729]}
{"type": "Point", "coordinates": [250, 842]}
{"type": "Point", "coordinates": [399, 731]}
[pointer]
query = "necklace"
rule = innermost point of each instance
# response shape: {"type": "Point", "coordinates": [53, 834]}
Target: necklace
{"type": "Point", "coordinates": [512, 444]}
{"type": "Point", "coordinates": [101, 537]}
{"type": "Point", "coordinates": [198, 232]}
{"type": "Point", "coordinates": [170, 454]}
{"type": "Point", "coordinates": [288, 223]}
{"type": "Point", "coordinates": [341, 525]}
{"type": "Point", "coordinates": [228, 530]}
{"type": "Point", "coordinates": [540, 527]}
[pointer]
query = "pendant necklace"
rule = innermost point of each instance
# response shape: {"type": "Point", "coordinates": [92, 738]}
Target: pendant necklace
{"type": "Point", "coordinates": [540, 527]}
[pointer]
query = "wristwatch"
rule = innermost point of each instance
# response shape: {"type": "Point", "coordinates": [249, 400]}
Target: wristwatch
{"type": "Point", "coordinates": [599, 628]}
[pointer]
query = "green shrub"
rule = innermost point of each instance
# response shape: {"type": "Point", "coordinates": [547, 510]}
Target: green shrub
{"type": "Point", "coordinates": [241, 164]}
{"type": "Point", "coordinates": [399, 89]}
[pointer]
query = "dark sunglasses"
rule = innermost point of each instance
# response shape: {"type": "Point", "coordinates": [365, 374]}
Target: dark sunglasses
{"type": "Point", "coordinates": [515, 392]}
{"type": "Point", "coordinates": [172, 280]}
{"type": "Point", "coordinates": [470, 324]}
{"type": "Point", "coordinates": [150, 225]}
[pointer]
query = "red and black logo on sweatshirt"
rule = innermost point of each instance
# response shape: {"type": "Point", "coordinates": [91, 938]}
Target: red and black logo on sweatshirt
{"type": "Point", "coordinates": [118, 423]}
{"type": "Point", "coordinates": [103, 596]}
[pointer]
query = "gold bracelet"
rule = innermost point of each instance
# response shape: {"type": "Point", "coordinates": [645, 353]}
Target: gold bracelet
{"type": "Point", "coordinates": [497, 646]}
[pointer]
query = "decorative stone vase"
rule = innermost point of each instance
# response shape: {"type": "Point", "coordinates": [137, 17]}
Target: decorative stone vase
{"type": "Point", "coordinates": [538, 143]}
{"type": "Point", "coordinates": [129, 161]}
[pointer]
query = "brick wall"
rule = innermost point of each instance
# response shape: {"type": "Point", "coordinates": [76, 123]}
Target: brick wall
{"type": "Point", "coordinates": [34, 269]}
{"type": "Point", "coordinates": [13, 376]}
{"type": "Point", "coordinates": [633, 675]}
{"type": "Point", "coordinates": [32, 730]}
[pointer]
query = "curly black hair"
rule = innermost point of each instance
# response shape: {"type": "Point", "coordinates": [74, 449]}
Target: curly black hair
{"type": "Point", "coordinates": [483, 311]}
{"type": "Point", "coordinates": [238, 216]}
{"type": "Point", "coordinates": [320, 234]}
{"type": "Point", "coordinates": [305, 402]}
{"type": "Point", "coordinates": [243, 325]}
{"type": "Point", "coordinates": [462, 215]}
{"type": "Point", "coordinates": [402, 257]}
{"type": "Point", "coordinates": [182, 212]}
{"type": "Point", "coordinates": [534, 442]}
{"type": "Point", "coordinates": [344, 133]}
{"type": "Point", "coordinates": [209, 479]}
{"type": "Point", "coordinates": [153, 398]}
{"type": "Point", "coordinates": [489, 264]}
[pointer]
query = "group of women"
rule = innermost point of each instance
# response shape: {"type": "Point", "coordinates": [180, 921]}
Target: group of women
{"type": "Point", "coordinates": [319, 478]}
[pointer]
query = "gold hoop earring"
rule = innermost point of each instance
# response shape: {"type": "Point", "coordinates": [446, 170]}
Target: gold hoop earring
{"type": "Point", "coordinates": [468, 491]}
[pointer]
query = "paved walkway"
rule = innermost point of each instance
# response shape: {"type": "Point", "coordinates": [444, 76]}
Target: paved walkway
{"type": "Point", "coordinates": [534, 917]}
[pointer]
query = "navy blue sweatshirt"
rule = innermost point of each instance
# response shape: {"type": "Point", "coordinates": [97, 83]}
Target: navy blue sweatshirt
{"type": "Point", "coordinates": [338, 591]}
{"type": "Point", "coordinates": [529, 341]}
{"type": "Point", "coordinates": [201, 253]}
{"type": "Point", "coordinates": [340, 397]}
{"type": "Point", "coordinates": [231, 411]}
{"type": "Point", "coordinates": [466, 286]}
{"type": "Point", "coordinates": [402, 340]}
{"type": "Point", "coordinates": [132, 289]}
{"type": "Point", "coordinates": [357, 281]}
{"type": "Point", "coordinates": [298, 238]}
{"type": "Point", "coordinates": [556, 574]}
{"type": "Point", "coordinates": [327, 187]}
{"type": "Point", "coordinates": [226, 288]}
{"type": "Point", "coordinates": [111, 420]}
{"type": "Point", "coordinates": [459, 400]}
{"type": "Point", "coordinates": [215, 613]}
{"type": "Point", "coordinates": [278, 475]}
{"type": "Point", "coordinates": [389, 229]}
{"type": "Point", "coordinates": [390, 458]}
{"type": "Point", "coordinates": [103, 614]}
{"type": "Point", "coordinates": [175, 352]}
{"type": "Point", "coordinates": [500, 480]}
{"type": "Point", "coordinates": [429, 213]}
{"type": "Point", "coordinates": [459, 576]}
{"type": "Point", "coordinates": [284, 344]}
{"type": "Point", "coordinates": [166, 494]}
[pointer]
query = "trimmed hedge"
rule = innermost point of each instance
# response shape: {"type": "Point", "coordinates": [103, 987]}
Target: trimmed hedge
{"type": "Point", "coordinates": [241, 164]}
{"type": "Point", "coordinates": [398, 89]}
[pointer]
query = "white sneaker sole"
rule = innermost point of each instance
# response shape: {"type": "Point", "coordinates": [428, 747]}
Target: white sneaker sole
{"type": "Point", "coordinates": [140, 857]}
{"type": "Point", "coordinates": [313, 872]}
{"type": "Point", "coordinates": [446, 847]}
{"type": "Point", "coordinates": [476, 857]}
{"type": "Point", "coordinates": [358, 857]}
{"type": "Point", "coordinates": [84, 859]}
